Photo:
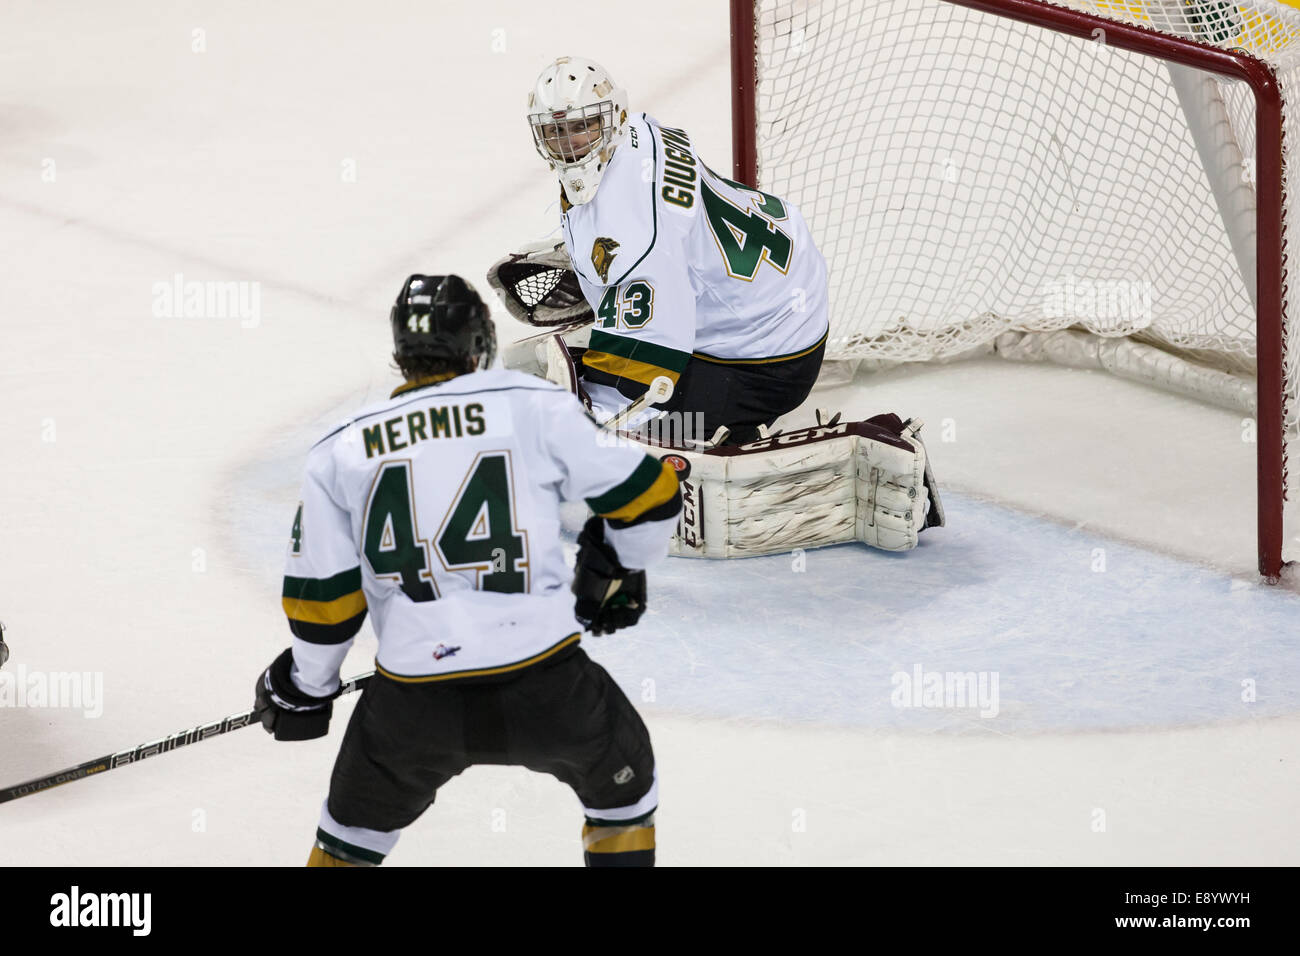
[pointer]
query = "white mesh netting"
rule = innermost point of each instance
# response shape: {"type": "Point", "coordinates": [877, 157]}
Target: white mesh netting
{"type": "Point", "coordinates": [966, 174]}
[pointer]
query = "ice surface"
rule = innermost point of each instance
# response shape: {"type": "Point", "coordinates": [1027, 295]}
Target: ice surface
{"type": "Point", "coordinates": [151, 468]}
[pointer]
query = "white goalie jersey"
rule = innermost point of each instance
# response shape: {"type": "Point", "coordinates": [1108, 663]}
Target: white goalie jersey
{"type": "Point", "coordinates": [437, 512]}
{"type": "Point", "coordinates": [677, 261]}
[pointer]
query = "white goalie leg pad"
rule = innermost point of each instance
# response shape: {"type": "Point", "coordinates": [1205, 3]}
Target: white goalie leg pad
{"type": "Point", "coordinates": [891, 493]}
{"type": "Point", "coordinates": [847, 481]}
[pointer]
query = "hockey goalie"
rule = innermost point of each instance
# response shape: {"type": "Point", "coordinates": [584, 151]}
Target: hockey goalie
{"type": "Point", "coordinates": [690, 312]}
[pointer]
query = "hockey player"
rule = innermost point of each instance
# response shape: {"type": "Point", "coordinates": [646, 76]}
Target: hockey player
{"type": "Point", "coordinates": [714, 292]}
{"type": "Point", "coordinates": [692, 277]}
{"type": "Point", "coordinates": [437, 512]}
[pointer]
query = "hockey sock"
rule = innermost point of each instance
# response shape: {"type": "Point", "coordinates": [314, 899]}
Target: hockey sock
{"type": "Point", "coordinates": [607, 843]}
{"type": "Point", "coordinates": [322, 857]}
{"type": "Point", "coordinates": [331, 851]}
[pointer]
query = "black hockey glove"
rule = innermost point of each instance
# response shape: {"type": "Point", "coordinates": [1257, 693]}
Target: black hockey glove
{"type": "Point", "coordinates": [609, 595]}
{"type": "Point", "coordinates": [286, 711]}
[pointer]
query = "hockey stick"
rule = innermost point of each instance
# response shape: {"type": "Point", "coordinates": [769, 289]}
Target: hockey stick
{"type": "Point", "coordinates": [660, 390]}
{"type": "Point", "coordinates": [151, 749]}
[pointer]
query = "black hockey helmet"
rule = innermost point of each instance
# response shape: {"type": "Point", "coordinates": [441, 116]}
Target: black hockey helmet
{"type": "Point", "coordinates": [442, 317]}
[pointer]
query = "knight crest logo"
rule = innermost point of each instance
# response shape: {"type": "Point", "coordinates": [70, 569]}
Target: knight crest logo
{"type": "Point", "coordinates": [602, 256]}
{"type": "Point", "coordinates": [442, 650]}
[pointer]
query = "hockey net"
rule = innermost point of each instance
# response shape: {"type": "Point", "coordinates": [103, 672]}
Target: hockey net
{"type": "Point", "coordinates": [987, 174]}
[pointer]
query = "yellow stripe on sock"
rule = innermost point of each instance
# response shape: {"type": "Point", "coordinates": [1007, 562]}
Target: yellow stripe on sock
{"type": "Point", "coordinates": [618, 839]}
{"type": "Point", "coordinates": [320, 858]}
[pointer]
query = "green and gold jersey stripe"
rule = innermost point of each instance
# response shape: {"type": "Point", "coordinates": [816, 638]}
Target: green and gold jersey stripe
{"type": "Point", "coordinates": [325, 612]}
{"type": "Point", "coordinates": [329, 600]}
{"type": "Point", "coordinates": [626, 368]}
{"type": "Point", "coordinates": [660, 491]}
{"type": "Point", "coordinates": [705, 357]}
{"type": "Point", "coordinates": [486, 671]}
{"type": "Point", "coordinates": [636, 360]}
{"type": "Point", "coordinates": [640, 350]}
{"type": "Point", "coordinates": [642, 479]}
{"type": "Point", "coordinates": [322, 589]}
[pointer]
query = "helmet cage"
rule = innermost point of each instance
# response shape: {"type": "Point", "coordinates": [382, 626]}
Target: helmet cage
{"type": "Point", "coordinates": [553, 133]}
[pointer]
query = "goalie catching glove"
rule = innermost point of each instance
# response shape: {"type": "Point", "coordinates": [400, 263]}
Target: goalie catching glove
{"type": "Point", "coordinates": [538, 286]}
{"type": "Point", "coordinates": [609, 595]}
{"type": "Point", "coordinates": [286, 711]}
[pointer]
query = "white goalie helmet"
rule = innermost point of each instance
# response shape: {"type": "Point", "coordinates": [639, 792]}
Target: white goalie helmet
{"type": "Point", "coordinates": [578, 117]}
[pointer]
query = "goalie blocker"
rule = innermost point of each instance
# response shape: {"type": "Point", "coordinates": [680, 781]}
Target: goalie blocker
{"type": "Point", "coordinates": [838, 481]}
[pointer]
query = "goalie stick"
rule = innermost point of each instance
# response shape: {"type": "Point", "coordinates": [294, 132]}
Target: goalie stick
{"type": "Point", "coordinates": [151, 748]}
{"type": "Point", "coordinates": [660, 390]}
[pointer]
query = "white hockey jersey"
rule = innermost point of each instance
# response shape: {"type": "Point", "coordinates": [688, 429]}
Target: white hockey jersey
{"type": "Point", "coordinates": [437, 511]}
{"type": "Point", "coordinates": [677, 261]}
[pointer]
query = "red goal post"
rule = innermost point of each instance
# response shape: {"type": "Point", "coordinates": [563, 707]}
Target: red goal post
{"type": "Point", "coordinates": [1213, 54]}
